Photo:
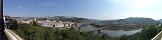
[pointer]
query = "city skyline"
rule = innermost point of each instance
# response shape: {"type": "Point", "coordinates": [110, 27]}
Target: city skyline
{"type": "Point", "coordinates": [93, 9]}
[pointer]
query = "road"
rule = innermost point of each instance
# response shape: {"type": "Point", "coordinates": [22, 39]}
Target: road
{"type": "Point", "coordinates": [158, 36]}
{"type": "Point", "coordinates": [11, 35]}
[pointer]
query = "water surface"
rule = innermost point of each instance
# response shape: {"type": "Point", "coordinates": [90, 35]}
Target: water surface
{"type": "Point", "coordinates": [113, 33]}
{"type": "Point", "coordinates": [120, 33]}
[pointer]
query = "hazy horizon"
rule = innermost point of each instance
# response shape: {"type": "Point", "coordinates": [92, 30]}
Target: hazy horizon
{"type": "Point", "coordinates": [92, 9]}
{"type": "Point", "coordinates": [86, 18]}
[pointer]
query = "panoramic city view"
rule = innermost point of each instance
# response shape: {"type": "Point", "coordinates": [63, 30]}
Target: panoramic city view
{"type": "Point", "coordinates": [81, 20]}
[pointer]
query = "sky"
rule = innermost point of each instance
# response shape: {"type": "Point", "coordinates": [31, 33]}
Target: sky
{"type": "Point", "coordinates": [92, 9]}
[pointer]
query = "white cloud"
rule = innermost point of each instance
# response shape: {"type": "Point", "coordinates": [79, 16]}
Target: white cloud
{"type": "Point", "coordinates": [49, 4]}
{"type": "Point", "coordinates": [113, 1]}
{"type": "Point", "coordinates": [20, 6]}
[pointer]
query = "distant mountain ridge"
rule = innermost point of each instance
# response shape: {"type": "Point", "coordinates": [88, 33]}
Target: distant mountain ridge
{"type": "Point", "coordinates": [160, 20]}
{"type": "Point", "coordinates": [57, 18]}
{"type": "Point", "coordinates": [132, 20]}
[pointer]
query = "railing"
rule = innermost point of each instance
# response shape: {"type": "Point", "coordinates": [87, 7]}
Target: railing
{"type": "Point", "coordinates": [11, 35]}
{"type": "Point", "coordinates": [158, 36]}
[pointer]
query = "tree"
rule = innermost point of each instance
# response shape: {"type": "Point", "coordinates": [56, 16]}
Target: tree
{"type": "Point", "coordinates": [12, 22]}
{"type": "Point", "coordinates": [149, 33]}
{"type": "Point", "coordinates": [34, 22]}
{"type": "Point", "coordinates": [124, 37]}
{"type": "Point", "coordinates": [8, 18]}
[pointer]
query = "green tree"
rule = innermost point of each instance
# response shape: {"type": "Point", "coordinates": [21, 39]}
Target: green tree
{"type": "Point", "coordinates": [12, 22]}
{"type": "Point", "coordinates": [34, 22]}
{"type": "Point", "coordinates": [124, 37]}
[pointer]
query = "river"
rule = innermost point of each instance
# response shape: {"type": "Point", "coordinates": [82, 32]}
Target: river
{"type": "Point", "coordinates": [112, 33]}
{"type": "Point", "coordinates": [115, 33]}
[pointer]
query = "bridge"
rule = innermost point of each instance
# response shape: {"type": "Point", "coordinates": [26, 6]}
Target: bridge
{"type": "Point", "coordinates": [98, 30]}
